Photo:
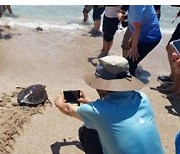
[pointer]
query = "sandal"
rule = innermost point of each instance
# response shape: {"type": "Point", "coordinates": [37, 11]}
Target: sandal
{"type": "Point", "coordinates": [164, 78]}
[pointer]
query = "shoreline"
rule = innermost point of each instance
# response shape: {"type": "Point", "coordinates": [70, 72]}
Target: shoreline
{"type": "Point", "coordinates": [59, 60]}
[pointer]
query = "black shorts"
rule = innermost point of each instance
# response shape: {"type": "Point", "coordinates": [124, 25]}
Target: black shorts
{"type": "Point", "coordinates": [90, 141]}
{"type": "Point", "coordinates": [143, 50]}
{"type": "Point", "coordinates": [110, 26]}
{"type": "Point", "coordinates": [97, 12]}
{"type": "Point", "coordinates": [176, 34]}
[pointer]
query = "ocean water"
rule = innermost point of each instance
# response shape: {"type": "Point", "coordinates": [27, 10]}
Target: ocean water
{"type": "Point", "coordinates": [69, 17]}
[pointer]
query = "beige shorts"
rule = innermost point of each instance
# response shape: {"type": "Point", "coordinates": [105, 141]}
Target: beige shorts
{"type": "Point", "coordinates": [125, 41]}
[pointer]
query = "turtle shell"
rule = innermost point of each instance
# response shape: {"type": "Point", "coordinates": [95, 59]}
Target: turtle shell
{"type": "Point", "coordinates": [33, 95]}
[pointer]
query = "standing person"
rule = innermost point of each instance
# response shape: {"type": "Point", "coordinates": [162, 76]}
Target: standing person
{"type": "Point", "coordinates": [175, 36]}
{"type": "Point", "coordinates": [8, 7]}
{"type": "Point", "coordinates": [122, 16]}
{"type": "Point", "coordinates": [97, 12]}
{"type": "Point", "coordinates": [122, 119]}
{"type": "Point", "coordinates": [173, 92]}
{"type": "Point", "coordinates": [144, 26]}
{"type": "Point", "coordinates": [3, 8]}
{"type": "Point", "coordinates": [176, 65]}
{"type": "Point", "coordinates": [110, 26]}
{"type": "Point", "coordinates": [86, 10]}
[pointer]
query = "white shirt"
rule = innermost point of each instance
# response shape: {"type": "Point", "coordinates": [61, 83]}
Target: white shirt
{"type": "Point", "coordinates": [111, 11]}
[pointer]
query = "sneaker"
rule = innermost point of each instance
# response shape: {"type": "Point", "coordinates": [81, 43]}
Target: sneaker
{"type": "Point", "coordinates": [96, 33]}
{"type": "Point", "coordinates": [164, 78]}
{"type": "Point", "coordinates": [91, 31]}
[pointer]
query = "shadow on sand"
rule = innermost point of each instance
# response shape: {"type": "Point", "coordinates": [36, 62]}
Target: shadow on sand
{"type": "Point", "coordinates": [142, 75]}
{"type": "Point", "coordinates": [174, 108]}
{"type": "Point", "coordinates": [55, 147]}
{"type": "Point", "coordinates": [93, 61]}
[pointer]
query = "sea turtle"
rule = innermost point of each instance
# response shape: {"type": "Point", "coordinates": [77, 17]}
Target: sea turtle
{"type": "Point", "coordinates": [32, 95]}
{"type": "Point", "coordinates": [39, 28]}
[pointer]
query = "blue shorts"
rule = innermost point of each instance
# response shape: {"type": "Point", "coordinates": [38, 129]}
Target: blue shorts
{"type": "Point", "coordinates": [110, 26]}
{"type": "Point", "coordinates": [97, 12]}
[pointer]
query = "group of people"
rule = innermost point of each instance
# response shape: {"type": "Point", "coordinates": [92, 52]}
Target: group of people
{"type": "Point", "coordinates": [121, 120]}
{"type": "Point", "coordinates": [142, 35]}
{"type": "Point", "coordinates": [143, 27]}
{"type": "Point", "coordinates": [3, 8]}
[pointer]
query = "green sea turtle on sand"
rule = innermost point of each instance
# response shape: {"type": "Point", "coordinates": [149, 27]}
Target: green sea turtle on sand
{"type": "Point", "coordinates": [32, 95]}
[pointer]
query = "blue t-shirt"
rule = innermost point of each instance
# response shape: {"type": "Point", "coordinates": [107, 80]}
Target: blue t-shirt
{"type": "Point", "coordinates": [146, 15]}
{"type": "Point", "coordinates": [177, 143]}
{"type": "Point", "coordinates": [124, 122]}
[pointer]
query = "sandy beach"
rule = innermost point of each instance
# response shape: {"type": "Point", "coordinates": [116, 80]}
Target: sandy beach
{"type": "Point", "coordinates": [58, 60]}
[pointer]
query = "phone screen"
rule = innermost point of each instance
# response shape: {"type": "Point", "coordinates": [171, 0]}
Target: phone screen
{"type": "Point", "coordinates": [176, 45]}
{"type": "Point", "coordinates": [71, 96]}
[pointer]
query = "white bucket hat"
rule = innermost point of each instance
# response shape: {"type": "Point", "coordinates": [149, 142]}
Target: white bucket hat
{"type": "Point", "coordinates": [112, 74]}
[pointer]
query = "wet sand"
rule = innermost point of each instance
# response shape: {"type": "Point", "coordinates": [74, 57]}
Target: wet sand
{"type": "Point", "coordinates": [58, 59]}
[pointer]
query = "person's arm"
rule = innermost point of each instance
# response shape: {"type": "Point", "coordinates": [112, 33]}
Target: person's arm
{"type": "Point", "coordinates": [68, 108]}
{"type": "Point", "coordinates": [133, 53]}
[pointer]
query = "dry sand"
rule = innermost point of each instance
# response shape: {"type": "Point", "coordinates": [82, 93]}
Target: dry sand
{"type": "Point", "coordinates": [58, 59]}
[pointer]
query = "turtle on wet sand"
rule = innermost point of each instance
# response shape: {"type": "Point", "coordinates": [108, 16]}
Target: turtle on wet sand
{"type": "Point", "coordinates": [32, 95]}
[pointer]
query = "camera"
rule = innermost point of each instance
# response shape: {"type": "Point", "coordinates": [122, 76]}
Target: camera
{"type": "Point", "coordinates": [176, 46]}
{"type": "Point", "coordinates": [72, 96]}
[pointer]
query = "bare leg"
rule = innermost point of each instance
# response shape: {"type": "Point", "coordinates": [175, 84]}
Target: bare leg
{"type": "Point", "coordinates": [85, 16]}
{"type": "Point", "coordinates": [97, 24]}
{"type": "Point", "coordinates": [169, 52]}
{"type": "Point", "coordinates": [8, 7]}
{"type": "Point", "coordinates": [105, 49]}
{"type": "Point", "coordinates": [106, 46]}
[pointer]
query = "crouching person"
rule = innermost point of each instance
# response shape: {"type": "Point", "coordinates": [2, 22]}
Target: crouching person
{"type": "Point", "coordinates": [122, 120]}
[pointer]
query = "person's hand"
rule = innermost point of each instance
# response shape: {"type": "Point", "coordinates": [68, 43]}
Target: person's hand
{"type": "Point", "coordinates": [121, 16]}
{"type": "Point", "coordinates": [133, 53]}
{"type": "Point", "coordinates": [83, 98]}
{"type": "Point", "coordinates": [176, 64]}
{"type": "Point", "coordinates": [59, 101]}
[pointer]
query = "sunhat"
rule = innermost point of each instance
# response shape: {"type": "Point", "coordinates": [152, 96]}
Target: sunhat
{"type": "Point", "coordinates": [112, 74]}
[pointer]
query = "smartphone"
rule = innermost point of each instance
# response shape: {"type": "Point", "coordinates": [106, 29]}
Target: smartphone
{"type": "Point", "coordinates": [72, 96]}
{"type": "Point", "coordinates": [176, 46]}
